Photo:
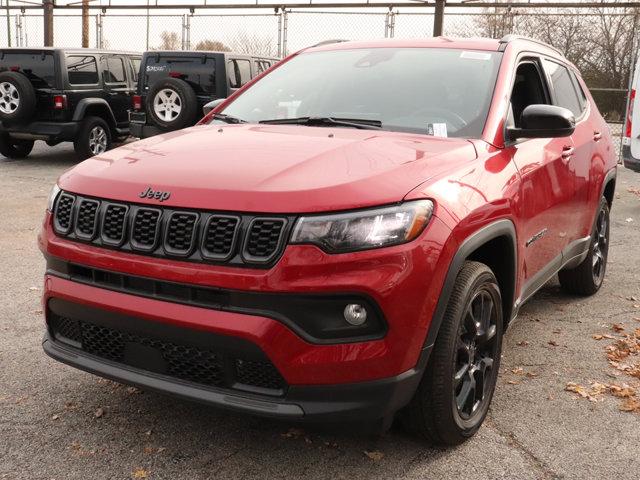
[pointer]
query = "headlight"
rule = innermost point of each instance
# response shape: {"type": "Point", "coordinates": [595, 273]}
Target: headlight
{"type": "Point", "coordinates": [55, 191]}
{"type": "Point", "coordinates": [364, 229]}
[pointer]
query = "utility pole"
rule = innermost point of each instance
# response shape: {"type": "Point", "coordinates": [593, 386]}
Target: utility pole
{"type": "Point", "coordinates": [48, 22]}
{"type": "Point", "coordinates": [85, 23]}
{"type": "Point", "coordinates": [8, 25]}
{"type": "Point", "coordinates": [438, 18]}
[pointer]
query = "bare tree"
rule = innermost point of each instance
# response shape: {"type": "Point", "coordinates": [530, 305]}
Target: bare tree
{"type": "Point", "coordinates": [169, 41]}
{"type": "Point", "coordinates": [212, 46]}
{"type": "Point", "coordinates": [253, 44]}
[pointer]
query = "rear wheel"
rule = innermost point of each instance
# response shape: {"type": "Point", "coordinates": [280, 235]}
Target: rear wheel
{"type": "Point", "coordinates": [15, 148]}
{"type": "Point", "coordinates": [587, 278]}
{"type": "Point", "coordinates": [93, 138]}
{"type": "Point", "coordinates": [454, 395]}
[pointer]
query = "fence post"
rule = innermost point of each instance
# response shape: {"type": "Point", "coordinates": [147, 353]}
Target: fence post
{"type": "Point", "coordinates": [19, 31]}
{"type": "Point", "coordinates": [438, 18]}
{"type": "Point", "coordinates": [285, 21]}
{"type": "Point", "coordinates": [48, 22]}
{"type": "Point", "coordinates": [279, 14]}
{"type": "Point", "coordinates": [99, 42]}
{"type": "Point", "coordinates": [392, 24]}
{"type": "Point", "coordinates": [183, 40]}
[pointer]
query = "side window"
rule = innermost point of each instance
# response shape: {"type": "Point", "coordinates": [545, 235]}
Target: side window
{"type": "Point", "coordinates": [581, 95]}
{"type": "Point", "coordinates": [563, 86]}
{"type": "Point", "coordinates": [135, 65]}
{"type": "Point", "coordinates": [244, 69]}
{"type": "Point", "coordinates": [528, 89]}
{"type": "Point", "coordinates": [114, 70]}
{"type": "Point", "coordinates": [262, 66]}
{"type": "Point", "coordinates": [239, 72]}
{"type": "Point", "coordinates": [82, 70]}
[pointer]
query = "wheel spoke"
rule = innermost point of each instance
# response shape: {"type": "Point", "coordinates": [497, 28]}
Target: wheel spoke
{"type": "Point", "coordinates": [467, 392]}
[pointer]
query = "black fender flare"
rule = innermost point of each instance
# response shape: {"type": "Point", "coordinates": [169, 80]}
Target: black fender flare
{"type": "Point", "coordinates": [610, 175]}
{"type": "Point", "coordinates": [499, 228]}
{"type": "Point", "coordinates": [85, 103]}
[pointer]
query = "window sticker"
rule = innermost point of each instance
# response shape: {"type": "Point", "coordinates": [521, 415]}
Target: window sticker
{"type": "Point", "coordinates": [475, 55]}
{"type": "Point", "coordinates": [437, 130]}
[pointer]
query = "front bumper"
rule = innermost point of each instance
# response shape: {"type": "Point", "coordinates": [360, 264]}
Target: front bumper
{"type": "Point", "coordinates": [50, 131]}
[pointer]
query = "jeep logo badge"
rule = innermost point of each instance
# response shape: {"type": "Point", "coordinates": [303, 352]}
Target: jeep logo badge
{"type": "Point", "coordinates": [157, 194]}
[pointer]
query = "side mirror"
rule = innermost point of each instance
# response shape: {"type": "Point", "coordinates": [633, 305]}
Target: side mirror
{"type": "Point", "coordinates": [544, 121]}
{"type": "Point", "coordinates": [212, 104]}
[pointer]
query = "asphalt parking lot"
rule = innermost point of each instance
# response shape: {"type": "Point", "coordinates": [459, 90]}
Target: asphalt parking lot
{"type": "Point", "coordinates": [60, 423]}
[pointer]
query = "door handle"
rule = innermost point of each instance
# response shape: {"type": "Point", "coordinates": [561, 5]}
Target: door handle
{"type": "Point", "coordinates": [567, 153]}
{"type": "Point", "coordinates": [597, 136]}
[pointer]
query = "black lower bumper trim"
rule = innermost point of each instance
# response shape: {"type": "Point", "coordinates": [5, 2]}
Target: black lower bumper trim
{"type": "Point", "coordinates": [141, 130]}
{"type": "Point", "coordinates": [357, 402]}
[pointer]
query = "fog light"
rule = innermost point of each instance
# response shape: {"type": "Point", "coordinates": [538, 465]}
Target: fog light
{"type": "Point", "coordinates": [355, 314]}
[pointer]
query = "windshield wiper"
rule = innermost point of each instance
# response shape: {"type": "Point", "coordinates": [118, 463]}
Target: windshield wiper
{"type": "Point", "coordinates": [327, 121]}
{"type": "Point", "coordinates": [227, 118]}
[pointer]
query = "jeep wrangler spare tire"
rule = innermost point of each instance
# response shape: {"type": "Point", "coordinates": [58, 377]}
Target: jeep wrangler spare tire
{"type": "Point", "coordinates": [17, 97]}
{"type": "Point", "coordinates": [172, 104]}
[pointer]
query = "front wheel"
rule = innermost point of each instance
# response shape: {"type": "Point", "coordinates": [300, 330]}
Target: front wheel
{"type": "Point", "coordinates": [453, 397]}
{"type": "Point", "coordinates": [587, 278]}
{"type": "Point", "coordinates": [15, 148]}
{"type": "Point", "coordinates": [93, 138]}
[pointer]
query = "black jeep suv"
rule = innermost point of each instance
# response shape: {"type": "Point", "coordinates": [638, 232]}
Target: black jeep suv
{"type": "Point", "coordinates": [175, 85]}
{"type": "Point", "coordinates": [61, 95]}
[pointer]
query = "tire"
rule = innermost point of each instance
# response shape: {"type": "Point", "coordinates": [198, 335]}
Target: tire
{"type": "Point", "coordinates": [17, 97]}
{"type": "Point", "coordinates": [179, 102]}
{"type": "Point", "coordinates": [15, 148]}
{"type": "Point", "coordinates": [433, 413]}
{"type": "Point", "coordinates": [93, 138]}
{"type": "Point", "coordinates": [586, 279]}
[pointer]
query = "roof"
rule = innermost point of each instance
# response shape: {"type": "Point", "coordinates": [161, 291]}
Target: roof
{"type": "Point", "coordinates": [486, 44]}
{"type": "Point", "coordinates": [70, 49]}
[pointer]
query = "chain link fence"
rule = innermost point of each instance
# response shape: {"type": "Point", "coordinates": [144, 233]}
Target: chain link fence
{"type": "Point", "coordinates": [602, 42]}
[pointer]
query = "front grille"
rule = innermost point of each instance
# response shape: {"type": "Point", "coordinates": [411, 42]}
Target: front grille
{"type": "Point", "coordinates": [87, 218]}
{"type": "Point", "coordinates": [145, 228]}
{"type": "Point", "coordinates": [220, 236]}
{"type": "Point", "coordinates": [188, 363]}
{"type": "Point", "coordinates": [263, 238]}
{"type": "Point", "coordinates": [113, 224]}
{"type": "Point", "coordinates": [246, 239]}
{"type": "Point", "coordinates": [181, 233]}
{"type": "Point", "coordinates": [63, 213]}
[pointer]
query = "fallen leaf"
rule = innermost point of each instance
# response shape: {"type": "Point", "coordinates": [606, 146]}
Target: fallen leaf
{"type": "Point", "coordinates": [597, 337]}
{"type": "Point", "coordinates": [532, 374]}
{"type": "Point", "coordinates": [630, 405]}
{"type": "Point", "coordinates": [374, 455]}
{"type": "Point", "coordinates": [512, 382]}
{"type": "Point", "coordinates": [517, 371]}
{"type": "Point", "coordinates": [99, 413]}
{"type": "Point", "coordinates": [140, 473]}
{"type": "Point", "coordinates": [293, 433]}
{"type": "Point", "coordinates": [618, 327]}
{"type": "Point", "coordinates": [553, 343]}
{"type": "Point", "coordinates": [55, 417]}
{"type": "Point", "coordinates": [623, 391]}
{"type": "Point", "coordinates": [522, 343]}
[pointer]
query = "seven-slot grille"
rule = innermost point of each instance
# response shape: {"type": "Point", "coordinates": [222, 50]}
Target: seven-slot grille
{"type": "Point", "coordinates": [196, 236]}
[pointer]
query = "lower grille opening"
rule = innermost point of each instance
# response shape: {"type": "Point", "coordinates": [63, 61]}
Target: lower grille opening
{"type": "Point", "coordinates": [188, 363]}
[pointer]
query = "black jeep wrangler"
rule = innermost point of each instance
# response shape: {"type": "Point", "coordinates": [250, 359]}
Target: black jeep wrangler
{"type": "Point", "coordinates": [175, 85]}
{"type": "Point", "coordinates": [61, 95]}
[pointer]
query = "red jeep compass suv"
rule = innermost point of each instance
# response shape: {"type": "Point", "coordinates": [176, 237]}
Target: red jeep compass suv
{"type": "Point", "coordinates": [344, 239]}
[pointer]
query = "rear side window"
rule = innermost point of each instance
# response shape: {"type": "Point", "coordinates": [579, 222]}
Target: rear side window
{"type": "Point", "coordinates": [198, 71]}
{"type": "Point", "coordinates": [38, 67]}
{"type": "Point", "coordinates": [82, 70]}
{"type": "Point", "coordinates": [239, 72]}
{"type": "Point", "coordinates": [564, 87]}
{"type": "Point", "coordinates": [582, 97]}
{"type": "Point", "coordinates": [135, 64]}
{"type": "Point", "coordinates": [114, 71]}
{"type": "Point", "coordinates": [262, 65]}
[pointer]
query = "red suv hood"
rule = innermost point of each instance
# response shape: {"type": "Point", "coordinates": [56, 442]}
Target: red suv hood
{"type": "Point", "coordinates": [279, 169]}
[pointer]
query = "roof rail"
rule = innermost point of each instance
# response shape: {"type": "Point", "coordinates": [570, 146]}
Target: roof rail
{"type": "Point", "coordinates": [329, 42]}
{"type": "Point", "coordinates": [512, 36]}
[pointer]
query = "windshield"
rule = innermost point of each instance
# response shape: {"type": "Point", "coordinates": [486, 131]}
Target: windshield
{"type": "Point", "coordinates": [441, 92]}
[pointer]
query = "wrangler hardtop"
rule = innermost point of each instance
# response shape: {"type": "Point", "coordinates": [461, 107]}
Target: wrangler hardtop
{"type": "Point", "coordinates": [59, 94]}
{"type": "Point", "coordinates": [175, 86]}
